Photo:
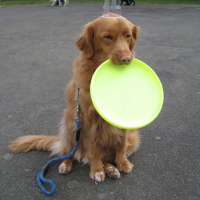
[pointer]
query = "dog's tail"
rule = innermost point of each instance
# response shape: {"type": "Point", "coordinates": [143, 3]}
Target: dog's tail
{"type": "Point", "coordinates": [33, 142]}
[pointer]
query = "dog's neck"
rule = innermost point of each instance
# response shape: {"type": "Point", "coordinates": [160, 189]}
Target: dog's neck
{"type": "Point", "coordinates": [84, 68]}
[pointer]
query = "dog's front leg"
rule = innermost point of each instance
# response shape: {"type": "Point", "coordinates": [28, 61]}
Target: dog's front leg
{"type": "Point", "coordinates": [54, 2]}
{"type": "Point", "coordinates": [66, 165]}
{"type": "Point", "coordinates": [97, 172]}
{"type": "Point", "coordinates": [121, 160]}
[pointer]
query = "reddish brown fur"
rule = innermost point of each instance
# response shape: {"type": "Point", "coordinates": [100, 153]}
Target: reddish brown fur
{"type": "Point", "coordinates": [100, 142]}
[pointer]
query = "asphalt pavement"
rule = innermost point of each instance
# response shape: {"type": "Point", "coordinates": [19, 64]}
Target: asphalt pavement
{"type": "Point", "coordinates": [36, 53]}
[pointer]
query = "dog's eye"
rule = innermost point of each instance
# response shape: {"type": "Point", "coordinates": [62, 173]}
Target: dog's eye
{"type": "Point", "coordinates": [109, 37]}
{"type": "Point", "coordinates": [128, 36]}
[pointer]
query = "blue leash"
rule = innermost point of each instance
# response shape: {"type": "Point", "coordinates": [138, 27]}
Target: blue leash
{"type": "Point", "coordinates": [40, 177]}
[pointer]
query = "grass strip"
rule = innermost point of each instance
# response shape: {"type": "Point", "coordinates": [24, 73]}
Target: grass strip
{"type": "Point", "coordinates": [23, 2]}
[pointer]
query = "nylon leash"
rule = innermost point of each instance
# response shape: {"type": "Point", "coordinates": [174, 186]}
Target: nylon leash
{"type": "Point", "coordinates": [40, 177]}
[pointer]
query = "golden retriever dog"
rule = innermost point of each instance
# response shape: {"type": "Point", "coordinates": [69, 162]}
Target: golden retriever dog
{"type": "Point", "coordinates": [103, 146]}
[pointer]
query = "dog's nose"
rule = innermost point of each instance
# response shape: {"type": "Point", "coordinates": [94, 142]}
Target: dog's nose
{"type": "Point", "coordinates": [125, 59]}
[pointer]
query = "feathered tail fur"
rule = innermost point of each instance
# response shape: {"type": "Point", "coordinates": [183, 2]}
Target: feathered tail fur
{"type": "Point", "coordinates": [33, 142]}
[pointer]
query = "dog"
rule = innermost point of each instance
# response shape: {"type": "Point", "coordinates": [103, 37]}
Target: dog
{"type": "Point", "coordinates": [128, 2]}
{"type": "Point", "coordinates": [60, 2]}
{"type": "Point", "coordinates": [103, 146]}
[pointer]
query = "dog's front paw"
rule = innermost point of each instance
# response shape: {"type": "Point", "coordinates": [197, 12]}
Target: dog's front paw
{"type": "Point", "coordinates": [65, 167]}
{"type": "Point", "coordinates": [125, 166]}
{"type": "Point", "coordinates": [97, 175]}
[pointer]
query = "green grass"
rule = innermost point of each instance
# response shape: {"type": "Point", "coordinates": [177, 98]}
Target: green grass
{"type": "Point", "coordinates": [22, 2]}
{"type": "Point", "coordinates": [187, 2]}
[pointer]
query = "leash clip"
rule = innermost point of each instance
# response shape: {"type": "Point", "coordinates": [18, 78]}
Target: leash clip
{"type": "Point", "coordinates": [76, 103]}
{"type": "Point", "coordinates": [78, 112]}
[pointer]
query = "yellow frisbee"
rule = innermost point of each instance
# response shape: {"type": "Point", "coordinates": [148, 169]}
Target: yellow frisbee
{"type": "Point", "coordinates": [126, 96]}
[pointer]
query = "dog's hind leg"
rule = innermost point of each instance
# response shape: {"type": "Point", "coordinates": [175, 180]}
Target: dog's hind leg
{"type": "Point", "coordinates": [133, 142]}
{"type": "Point", "coordinates": [65, 3]}
{"type": "Point", "coordinates": [110, 170]}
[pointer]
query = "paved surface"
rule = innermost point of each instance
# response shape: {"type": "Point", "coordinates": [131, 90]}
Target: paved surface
{"type": "Point", "coordinates": [36, 53]}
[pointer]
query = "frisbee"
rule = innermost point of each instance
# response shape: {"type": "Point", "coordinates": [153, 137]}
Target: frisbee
{"type": "Point", "coordinates": [126, 96]}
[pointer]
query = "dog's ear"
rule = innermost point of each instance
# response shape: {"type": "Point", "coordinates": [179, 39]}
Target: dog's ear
{"type": "Point", "coordinates": [85, 40]}
{"type": "Point", "coordinates": [135, 32]}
